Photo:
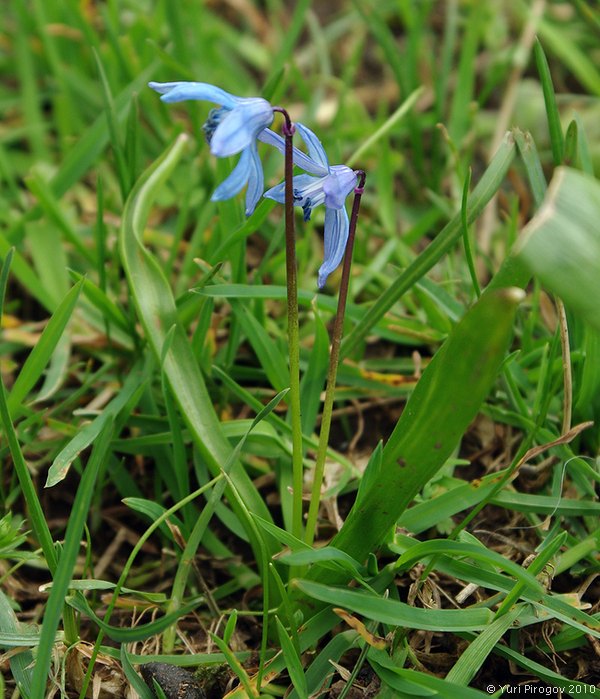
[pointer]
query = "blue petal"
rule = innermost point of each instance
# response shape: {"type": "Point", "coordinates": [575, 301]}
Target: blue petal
{"type": "Point", "coordinates": [273, 139]}
{"type": "Point", "coordinates": [240, 174]}
{"type": "Point", "coordinates": [336, 237]}
{"type": "Point", "coordinates": [256, 182]}
{"type": "Point", "coordinates": [178, 91]}
{"type": "Point", "coordinates": [277, 193]}
{"type": "Point", "coordinates": [315, 147]}
{"type": "Point", "coordinates": [300, 159]}
{"type": "Point", "coordinates": [241, 126]}
{"type": "Point", "coordinates": [341, 181]}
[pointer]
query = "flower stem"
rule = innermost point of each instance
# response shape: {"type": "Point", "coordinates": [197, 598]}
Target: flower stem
{"type": "Point", "coordinates": [293, 331]}
{"type": "Point", "coordinates": [334, 358]}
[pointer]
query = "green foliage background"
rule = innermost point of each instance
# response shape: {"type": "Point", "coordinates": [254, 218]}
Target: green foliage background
{"type": "Point", "coordinates": [144, 348]}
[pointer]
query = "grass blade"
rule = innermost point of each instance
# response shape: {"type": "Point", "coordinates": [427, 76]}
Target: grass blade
{"type": "Point", "coordinates": [68, 558]}
{"type": "Point", "coordinates": [129, 394]}
{"type": "Point", "coordinates": [445, 240]}
{"type": "Point", "coordinates": [292, 660]}
{"type": "Point", "coordinates": [20, 663]}
{"type": "Point", "coordinates": [394, 613]}
{"type": "Point", "coordinates": [554, 125]}
{"type": "Point", "coordinates": [36, 513]}
{"type": "Point", "coordinates": [41, 354]}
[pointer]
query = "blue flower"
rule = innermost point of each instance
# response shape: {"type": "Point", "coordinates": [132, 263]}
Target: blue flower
{"type": "Point", "coordinates": [231, 128]}
{"type": "Point", "coordinates": [327, 184]}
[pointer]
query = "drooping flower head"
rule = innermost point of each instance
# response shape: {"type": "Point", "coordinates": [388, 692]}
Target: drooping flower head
{"type": "Point", "coordinates": [327, 184]}
{"type": "Point", "coordinates": [231, 128]}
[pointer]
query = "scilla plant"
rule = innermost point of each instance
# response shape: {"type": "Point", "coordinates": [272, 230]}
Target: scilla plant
{"type": "Point", "coordinates": [446, 399]}
{"type": "Point", "coordinates": [307, 588]}
{"type": "Point", "coordinates": [185, 520]}
{"type": "Point", "coordinates": [235, 127]}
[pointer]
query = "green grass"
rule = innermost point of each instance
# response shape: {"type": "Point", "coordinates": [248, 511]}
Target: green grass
{"type": "Point", "coordinates": [146, 446]}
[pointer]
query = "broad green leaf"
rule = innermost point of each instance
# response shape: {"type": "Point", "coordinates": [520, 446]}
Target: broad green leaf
{"type": "Point", "coordinates": [426, 514]}
{"type": "Point", "coordinates": [533, 166]}
{"type": "Point", "coordinates": [546, 504]}
{"type": "Point", "coordinates": [320, 667]}
{"type": "Point", "coordinates": [134, 679]}
{"type": "Point", "coordinates": [93, 584]}
{"type": "Point", "coordinates": [23, 639]}
{"type": "Point", "coordinates": [282, 535]}
{"type": "Point", "coordinates": [561, 244]}
{"type": "Point", "coordinates": [550, 606]}
{"type": "Point", "coordinates": [57, 370]}
{"type": "Point", "coordinates": [445, 401]}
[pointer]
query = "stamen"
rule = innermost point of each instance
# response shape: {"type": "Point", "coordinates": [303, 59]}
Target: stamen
{"type": "Point", "coordinates": [297, 195]}
{"type": "Point", "coordinates": [215, 117]}
{"type": "Point", "coordinates": [307, 208]}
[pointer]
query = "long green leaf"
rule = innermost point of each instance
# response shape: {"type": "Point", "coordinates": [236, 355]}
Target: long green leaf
{"type": "Point", "coordinates": [444, 402]}
{"type": "Point", "coordinates": [425, 549]}
{"type": "Point", "coordinates": [202, 522]}
{"type": "Point", "coordinates": [155, 307]}
{"type": "Point", "coordinates": [551, 606]}
{"type": "Point", "coordinates": [130, 635]}
{"type": "Point", "coordinates": [569, 686]}
{"type": "Point", "coordinates": [394, 613]}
